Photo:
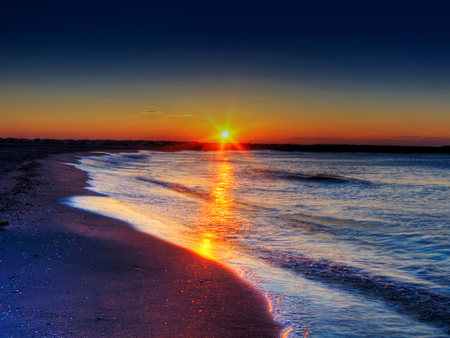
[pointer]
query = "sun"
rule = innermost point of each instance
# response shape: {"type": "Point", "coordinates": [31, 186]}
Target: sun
{"type": "Point", "coordinates": [225, 134]}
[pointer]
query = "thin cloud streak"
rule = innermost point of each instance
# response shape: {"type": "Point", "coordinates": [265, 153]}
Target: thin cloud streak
{"type": "Point", "coordinates": [150, 112]}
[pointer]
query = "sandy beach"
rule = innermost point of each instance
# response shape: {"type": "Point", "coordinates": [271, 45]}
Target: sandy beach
{"type": "Point", "coordinates": [65, 272]}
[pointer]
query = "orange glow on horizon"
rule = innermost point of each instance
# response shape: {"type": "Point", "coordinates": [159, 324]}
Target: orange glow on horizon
{"type": "Point", "coordinates": [267, 114]}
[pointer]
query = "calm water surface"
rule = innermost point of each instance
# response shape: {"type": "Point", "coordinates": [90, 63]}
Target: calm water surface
{"type": "Point", "coordinates": [343, 245]}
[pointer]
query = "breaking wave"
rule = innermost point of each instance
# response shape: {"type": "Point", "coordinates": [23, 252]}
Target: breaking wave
{"type": "Point", "coordinates": [406, 298]}
{"type": "Point", "coordinates": [293, 176]}
{"type": "Point", "coordinates": [177, 187]}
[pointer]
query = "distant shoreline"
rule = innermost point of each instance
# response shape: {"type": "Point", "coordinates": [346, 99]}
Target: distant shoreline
{"type": "Point", "coordinates": [87, 145]}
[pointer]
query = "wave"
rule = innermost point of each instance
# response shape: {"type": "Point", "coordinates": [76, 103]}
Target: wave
{"type": "Point", "coordinates": [406, 298]}
{"type": "Point", "coordinates": [332, 221]}
{"type": "Point", "coordinates": [137, 157]}
{"type": "Point", "coordinates": [195, 193]}
{"type": "Point", "coordinates": [292, 176]}
{"type": "Point", "coordinates": [177, 187]}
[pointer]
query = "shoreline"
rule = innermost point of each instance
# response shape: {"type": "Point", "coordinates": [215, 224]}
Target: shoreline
{"type": "Point", "coordinates": [67, 272]}
{"type": "Point", "coordinates": [134, 145]}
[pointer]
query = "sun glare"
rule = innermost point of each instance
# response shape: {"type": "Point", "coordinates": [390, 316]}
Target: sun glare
{"type": "Point", "coordinates": [225, 134]}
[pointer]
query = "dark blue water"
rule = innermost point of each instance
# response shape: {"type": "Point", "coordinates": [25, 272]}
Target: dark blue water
{"type": "Point", "coordinates": [343, 245]}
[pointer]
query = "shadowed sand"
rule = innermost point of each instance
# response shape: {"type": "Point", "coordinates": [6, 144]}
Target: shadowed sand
{"type": "Point", "coordinates": [65, 272]}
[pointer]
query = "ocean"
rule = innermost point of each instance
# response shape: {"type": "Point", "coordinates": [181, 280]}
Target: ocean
{"type": "Point", "coordinates": [341, 244]}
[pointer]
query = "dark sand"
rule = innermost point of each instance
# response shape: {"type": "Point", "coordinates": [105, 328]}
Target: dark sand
{"type": "Point", "coordinates": [65, 272]}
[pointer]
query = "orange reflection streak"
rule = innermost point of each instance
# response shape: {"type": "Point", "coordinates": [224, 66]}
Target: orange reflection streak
{"type": "Point", "coordinates": [217, 218]}
{"type": "Point", "coordinates": [285, 335]}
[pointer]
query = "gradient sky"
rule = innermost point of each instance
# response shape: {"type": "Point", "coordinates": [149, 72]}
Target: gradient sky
{"type": "Point", "coordinates": [362, 72]}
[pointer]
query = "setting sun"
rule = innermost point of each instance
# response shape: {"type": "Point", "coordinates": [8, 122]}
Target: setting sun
{"type": "Point", "coordinates": [225, 134]}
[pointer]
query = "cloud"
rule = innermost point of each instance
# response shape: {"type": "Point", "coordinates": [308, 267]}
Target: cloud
{"type": "Point", "coordinates": [408, 137]}
{"type": "Point", "coordinates": [150, 112]}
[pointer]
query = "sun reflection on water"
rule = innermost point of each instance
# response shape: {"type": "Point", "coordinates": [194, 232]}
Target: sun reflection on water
{"type": "Point", "coordinates": [217, 219]}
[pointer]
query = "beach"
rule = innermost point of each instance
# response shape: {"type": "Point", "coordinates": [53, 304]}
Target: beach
{"type": "Point", "coordinates": [341, 244]}
{"type": "Point", "coordinates": [162, 241]}
{"type": "Point", "coordinates": [225, 169]}
{"type": "Point", "coordinates": [67, 272]}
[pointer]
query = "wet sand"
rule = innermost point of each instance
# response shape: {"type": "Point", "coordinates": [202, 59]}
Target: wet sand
{"type": "Point", "coordinates": [65, 272]}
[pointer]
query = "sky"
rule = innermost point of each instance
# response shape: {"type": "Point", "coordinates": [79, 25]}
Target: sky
{"type": "Point", "coordinates": [348, 72]}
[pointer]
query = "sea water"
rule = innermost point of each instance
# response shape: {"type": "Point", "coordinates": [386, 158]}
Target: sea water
{"type": "Point", "coordinates": [342, 244]}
